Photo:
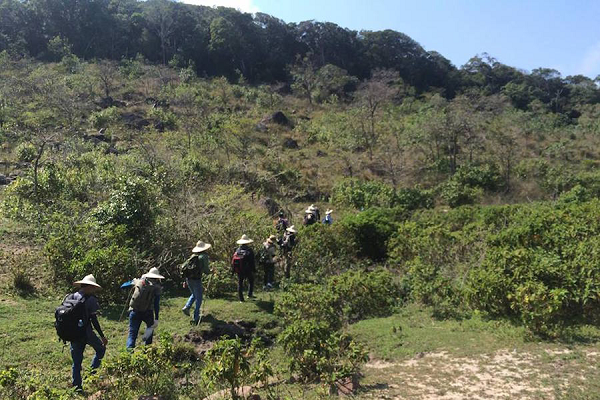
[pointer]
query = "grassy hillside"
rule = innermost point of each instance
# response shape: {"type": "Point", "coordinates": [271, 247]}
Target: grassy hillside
{"type": "Point", "coordinates": [464, 243]}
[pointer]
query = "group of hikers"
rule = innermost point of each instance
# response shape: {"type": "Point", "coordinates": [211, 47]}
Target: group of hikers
{"type": "Point", "coordinates": [76, 317]}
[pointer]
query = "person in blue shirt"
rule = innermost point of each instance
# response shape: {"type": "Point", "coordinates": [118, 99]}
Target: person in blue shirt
{"type": "Point", "coordinates": [87, 289]}
{"type": "Point", "coordinates": [328, 219]}
{"type": "Point", "coordinates": [144, 306]}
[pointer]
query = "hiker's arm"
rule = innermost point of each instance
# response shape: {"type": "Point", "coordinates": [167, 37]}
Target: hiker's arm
{"type": "Point", "coordinates": [156, 305]}
{"type": "Point", "coordinates": [96, 325]}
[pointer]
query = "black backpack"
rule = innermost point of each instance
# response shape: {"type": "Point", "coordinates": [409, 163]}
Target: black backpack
{"type": "Point", "coordinates": [71, 319]}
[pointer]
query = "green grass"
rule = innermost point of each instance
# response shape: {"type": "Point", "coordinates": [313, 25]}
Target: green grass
{"type": "Point", "coordinates": [413, 343]}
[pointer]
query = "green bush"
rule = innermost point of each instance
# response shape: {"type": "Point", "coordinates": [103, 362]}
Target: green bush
{"type": "Point", "coordinates": [131, 204]}
{"type": "Point", "coordinates": [342, 299]}
{"type": "Point", "coordinates": [315, 352]}
{"type": "Point", "coordinates": [322, 251]}
{"type": "Point", "coordinates": [371, 229]}
{"type": "Point", "coordinates": [104, 118]}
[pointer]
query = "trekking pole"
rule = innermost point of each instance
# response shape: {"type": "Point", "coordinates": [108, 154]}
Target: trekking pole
{"type": "Point", "coordinates": [126, 304]}
{"type": "Point", "coordinates": [204, 298]}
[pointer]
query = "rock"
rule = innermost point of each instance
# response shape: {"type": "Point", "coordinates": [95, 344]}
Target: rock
{"type": "Point", "coordinates": [261, 127]}
{"type": "Point", "coordinates": [253, 397]}
{"type": "Point", "coordinates": [106, 102]}
{"type": "Point", "coordinates": [321, 153]}
{"type": "Point", "coordinates": [347, 386]}
{"type": "Point", "coordinates": [134, 121]}
{"type": "Point", "coordinates": [279, 118]}
{"type": "Point", "coordinates": [4, 180]}
{"type": "Point", "coordinates": [271, 205]}
{"type": "Point", "coordinates": [290, 143]}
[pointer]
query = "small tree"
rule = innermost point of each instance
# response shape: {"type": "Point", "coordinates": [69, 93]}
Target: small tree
{"type": "Point", "coordinates": [371, 97]}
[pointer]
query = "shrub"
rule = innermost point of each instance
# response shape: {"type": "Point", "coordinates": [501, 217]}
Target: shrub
{"type": "Point", "coordinates": [26, 152]}
{"type": "Point", "coordinates": [131, 204]}
{"type": "Point", "coordinates": [104, 118]}
{"type": "Point", "coordinates": [323, 250]}
{"type": "Point", "coordinates": [342, 299]}
{"type": "Point", "coordinates": [227, 362]}
{"type": "Point", "coordinates": [371, 230]}
{"type": "Point", "coordinates": [147, 371]}
{"type": "Point", "coordinates": [455, 193]}
{"type": "Point", "coordinates": [316, 352]}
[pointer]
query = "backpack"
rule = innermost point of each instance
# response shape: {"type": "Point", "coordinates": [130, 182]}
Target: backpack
{"type": "Point", "coordinates": [239, 260]}
{"type": "Point", "coordinates": [190, 268]}
{"type": "Point", "coordinates": [263, 255]}
{"type": "Point", "coordinates": [71, 319]}
{"type": "Point", "coordinates": [143, 295]}
{"type": "Point", "coordinates": [282, 225]}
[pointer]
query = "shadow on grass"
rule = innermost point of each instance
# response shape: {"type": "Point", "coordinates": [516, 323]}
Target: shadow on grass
{"type": "Point", "coordinates": [267, 306]}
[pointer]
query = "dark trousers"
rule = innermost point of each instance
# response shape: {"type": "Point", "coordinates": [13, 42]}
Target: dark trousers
{"type": "Point", "coordinates": [241, 277]}
{"type": "Point", "coordinates": [77, 349]}
{"type": "Point", "coordinates": [269, 273]}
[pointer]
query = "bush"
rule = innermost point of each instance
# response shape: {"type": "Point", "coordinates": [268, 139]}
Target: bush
{"type": "Point", "coordinates": [371, 229]}
{"type": "Point", "coordinates": [147, 371]}
{"type": "Point", "coordinates": [26, 152]}
{"type": "Point", "coordinates": [104, 118]}
{"type": "Point", "coordinates": [342, 299]}
{"type": "Point", "coordinates": [322, 251]}
{"type": "Point", "coordinates": [315, 352]}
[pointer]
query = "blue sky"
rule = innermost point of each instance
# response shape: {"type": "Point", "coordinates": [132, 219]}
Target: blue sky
{"type": "Point", "coordinates": [526, 34]}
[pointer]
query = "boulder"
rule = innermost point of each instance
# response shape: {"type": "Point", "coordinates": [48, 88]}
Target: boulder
{"type": "Point", "coordinates": [290, 143]}
{"type": "Point", "coordinates": [279, 118]}
{"type": "Point", "coordinates": [4, 180]}
{"type": "Point", "coordinates": [261, 127]}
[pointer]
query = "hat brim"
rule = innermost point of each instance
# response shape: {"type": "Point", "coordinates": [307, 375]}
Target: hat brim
{"type": "Point", "coordinates": [241, 241]}
{"type": "Point", "coordinates": [153, 276]}
{"type": "Point", "coordinates": [201, 249]}
{"type": "Point", "coordinates": [308, 211]}
{"type": "Point", "coordinates": [291, 230]}
{"type": "Point", "coordinates": [89, 283]}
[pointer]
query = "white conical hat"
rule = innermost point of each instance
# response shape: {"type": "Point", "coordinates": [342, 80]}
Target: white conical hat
{"type": "Point", "coordinates": [87, 280]}
{"type": "Point", "coordinates": [153, 274]}
{"type": "Point", "coordinates": [292, 229]}
{"type": "Point", "coordinates": [201, 246]}
{"type": "Point", "coordinates": [328, 211]}
{"type": "Point", "coordinates": [245, 240]}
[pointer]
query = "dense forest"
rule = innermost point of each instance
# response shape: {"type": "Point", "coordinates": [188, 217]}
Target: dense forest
{"type": "Point", "coordinates": [465, 203]}
{"type": "Point", "coordinates": [225, 42]}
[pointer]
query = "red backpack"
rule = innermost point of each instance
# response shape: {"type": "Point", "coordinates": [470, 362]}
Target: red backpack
{"type": "Point", "coordinates": [238, 261]}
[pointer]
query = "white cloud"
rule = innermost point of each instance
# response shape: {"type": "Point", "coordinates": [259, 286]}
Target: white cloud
{"type": "Point", "coordinates": [242, 5]}
{"type": "Point", "coordinates": [590, 65]}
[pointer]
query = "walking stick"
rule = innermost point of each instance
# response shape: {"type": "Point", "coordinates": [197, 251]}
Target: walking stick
{"type": "Point", "coordinates": [126, 304]}
{"type": "Point", "coordinates": [204, 299]}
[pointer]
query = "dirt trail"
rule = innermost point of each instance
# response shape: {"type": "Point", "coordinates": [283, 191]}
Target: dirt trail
{"type": "Point", "coordinates": [502, 375]}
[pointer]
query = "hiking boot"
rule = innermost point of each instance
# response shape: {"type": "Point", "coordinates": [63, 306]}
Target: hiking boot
{"type": "Point", "coordinates": [186, 311]}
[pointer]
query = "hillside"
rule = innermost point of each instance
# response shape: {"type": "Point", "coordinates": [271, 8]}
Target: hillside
{"type": "Point", "coordinates": [465, 207]}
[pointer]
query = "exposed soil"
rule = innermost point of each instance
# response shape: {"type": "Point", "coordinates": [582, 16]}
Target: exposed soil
{"type": "Point", "coordinates": [501, 375]}
{"type": "Point", "coordinates": [203, 340]}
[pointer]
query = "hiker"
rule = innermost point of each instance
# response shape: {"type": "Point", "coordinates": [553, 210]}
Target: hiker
{"type": "Point", "coordinates": [328, 220]}
{"type": "Point", "coordinates": [144, 306]}
{"type": "Point", "coordinates": [287, 244]}
{"type": "Point", "coordinates": [282, 223]}
{"type": "Point", "coordinates": [192, 270]}
{"type": "Point", "coordinates": [88, 318]}
{"type": "Point", "coordinates": [243, 265]}
{"type": "Point", "coordinates": [267, 259]}
{"type": "Point", "coordinates": [309, 217]}
{"type": "Point", "coordinates": [315, 211]}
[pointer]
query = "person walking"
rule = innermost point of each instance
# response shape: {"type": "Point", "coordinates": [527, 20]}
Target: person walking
{"type": "Point", "coordinates": [267, 259]}
{"type": "Point", "coordinates": [328, 220]}
{"type": "Point", "coordinates": [287, 245]}
{"type": "Point", "coordinates": [309, 217]}
{"type": "Point", "coordinates": [243, 264]}
{"type": "Point", "coordinates": [193, 270]}
{"type": "Point", "coordinates": [282, 223]}
{"type": "Point", "coordinates": [144, 306]}
{"type": "Point", "coordinates": [86, 294]}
